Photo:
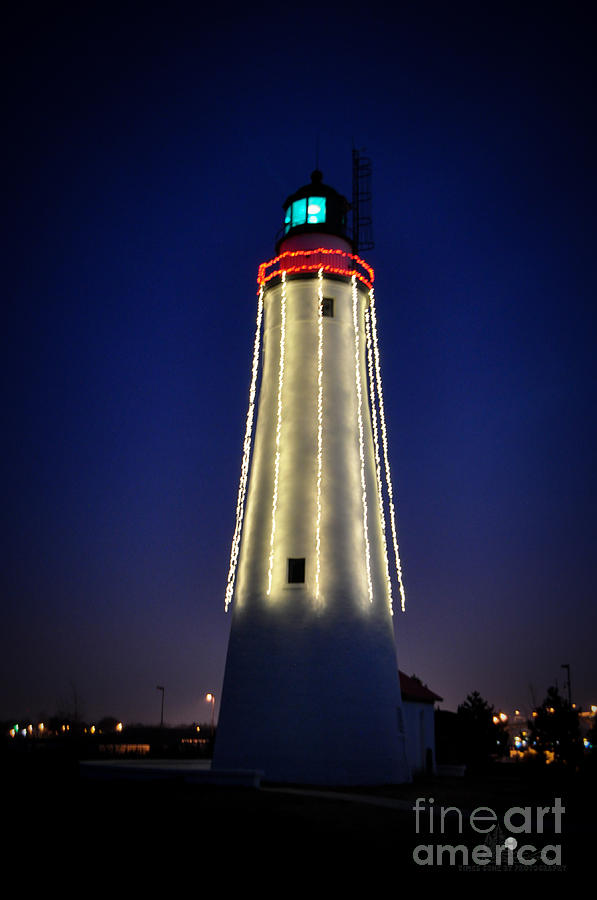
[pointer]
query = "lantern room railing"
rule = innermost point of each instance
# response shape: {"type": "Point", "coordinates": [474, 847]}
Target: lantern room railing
{"type": "Point", "coordinates": [334, 262]}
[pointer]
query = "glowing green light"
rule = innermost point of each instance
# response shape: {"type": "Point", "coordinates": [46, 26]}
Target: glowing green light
{"type": "Point", "coordinates": [316, 210]}
{"type": "Point", "coordinates": [307, 210]}
{"type": "Point", "coordinates": [299, 212]}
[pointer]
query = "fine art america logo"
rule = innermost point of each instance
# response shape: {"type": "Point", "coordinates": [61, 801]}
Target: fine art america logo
{"type": "Point", "coordinates": [512, 841]}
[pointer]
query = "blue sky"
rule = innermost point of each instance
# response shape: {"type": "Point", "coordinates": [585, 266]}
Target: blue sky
{"type": "Point", "coordinates": [149, 150]}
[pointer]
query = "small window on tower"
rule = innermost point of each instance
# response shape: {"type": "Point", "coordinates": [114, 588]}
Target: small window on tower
{"type": "Point", "coordinates": [296, 571]}
{"type": "Point", "coordinates": [327, 307]}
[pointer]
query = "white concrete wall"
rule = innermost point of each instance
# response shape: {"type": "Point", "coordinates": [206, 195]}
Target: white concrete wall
{"type": "Point", "coordinates": [343, 570]}
{"type": "Point", "coordinates": [419, 726]}
{"type": "Point", "coordinates": [311, 690]}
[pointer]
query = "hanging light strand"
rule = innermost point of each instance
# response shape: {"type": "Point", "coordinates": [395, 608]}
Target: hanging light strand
{"type": "Point", "coordinates": [278, 432]}
{"type": "Point", "coordinates": [244, 473]}
{"type": "Point", "coordinates": [357, 366]}
{"type": "Point", "coordinates": [319, 426]}
{"type": "Point", "coordinates": [377, 457]}
{"type": "Point", "coordinates": [384, 438]}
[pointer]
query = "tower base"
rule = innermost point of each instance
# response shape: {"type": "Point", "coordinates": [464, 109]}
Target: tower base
{"type": "Point", "coordinates": [307, 703]}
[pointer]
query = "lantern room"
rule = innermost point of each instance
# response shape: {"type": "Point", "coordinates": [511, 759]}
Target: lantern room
{"type": "Point", "coordinates": [315, 208]}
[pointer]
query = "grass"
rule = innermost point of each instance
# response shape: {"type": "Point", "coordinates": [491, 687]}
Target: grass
{"type": "Point", "coordinates": [178, 826]}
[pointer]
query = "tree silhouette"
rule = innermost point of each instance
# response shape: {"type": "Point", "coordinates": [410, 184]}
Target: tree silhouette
{"type": "Point", "coordinates": [554, 729]}
{"type": "Point", "coordinates": [481, 737]}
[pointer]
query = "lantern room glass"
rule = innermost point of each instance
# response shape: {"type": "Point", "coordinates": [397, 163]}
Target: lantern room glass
{"type": "Point", "coordinates": [307, 210]}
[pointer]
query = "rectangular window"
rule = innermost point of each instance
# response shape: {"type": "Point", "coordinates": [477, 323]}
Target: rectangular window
{"type": "Point", "coordinates": [327, 307]}
{"type": "Point", "coordinates": [296, 571]}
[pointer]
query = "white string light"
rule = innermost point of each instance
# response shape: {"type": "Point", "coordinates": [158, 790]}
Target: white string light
{"type": "Point", "coordinates": [377, 459]}
{"type": "Point", "coordinates": [278, 432]}
{"type": "Point", "coordinates": [385, 449]}
{"type": "Point", "coordinates": [242, 488]}
{"type": "Point", "coordinates": [357, 365]}
{"type": "Point", "coordinates": [319, 427]}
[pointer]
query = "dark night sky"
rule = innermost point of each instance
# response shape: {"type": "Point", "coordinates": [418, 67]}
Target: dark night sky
{"type": "Point", "coordinates": [147, 152]}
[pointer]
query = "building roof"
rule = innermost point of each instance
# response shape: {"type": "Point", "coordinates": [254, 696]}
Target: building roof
{"type": "Point", "coordinates": [413, 689]}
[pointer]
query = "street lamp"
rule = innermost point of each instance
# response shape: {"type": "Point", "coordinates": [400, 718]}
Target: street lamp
{"type": "Point", "coordinates": [211, 699]}
{"type": "Point", "coordinates": [160, 688]}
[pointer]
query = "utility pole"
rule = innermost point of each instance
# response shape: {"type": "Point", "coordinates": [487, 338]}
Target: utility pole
{"type": "Point", "coordinates": [160, 688]}
{"type": "Point", "coordinates": [567, 667]}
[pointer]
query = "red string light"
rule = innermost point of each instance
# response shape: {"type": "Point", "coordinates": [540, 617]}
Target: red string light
{"type": "Point", "coordinates": [313, 261]}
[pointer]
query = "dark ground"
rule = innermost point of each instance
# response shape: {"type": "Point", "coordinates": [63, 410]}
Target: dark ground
{"type": "Point", "coordinates": [149, 831]}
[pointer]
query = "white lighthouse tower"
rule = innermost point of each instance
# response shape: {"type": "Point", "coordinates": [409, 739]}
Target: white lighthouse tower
{"type": "Point", "coordinates": [311, 689]}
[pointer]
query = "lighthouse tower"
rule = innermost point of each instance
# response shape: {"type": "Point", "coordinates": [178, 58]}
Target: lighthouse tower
{"type": "Point", "coordinates": [311, 691]}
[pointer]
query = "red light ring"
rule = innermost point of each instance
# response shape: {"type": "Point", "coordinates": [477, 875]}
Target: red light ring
{"type": "Point", "coordinates": [302, 261]}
